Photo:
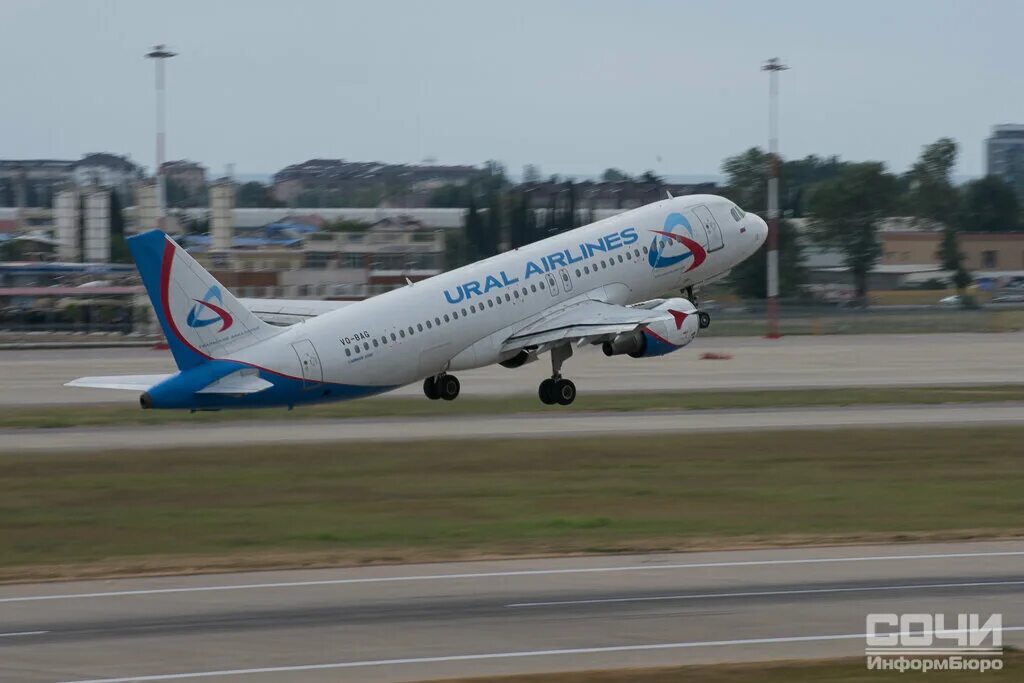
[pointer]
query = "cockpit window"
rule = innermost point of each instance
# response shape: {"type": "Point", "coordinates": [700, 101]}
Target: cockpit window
{"type": "Point", "coordinates": [737, 213]}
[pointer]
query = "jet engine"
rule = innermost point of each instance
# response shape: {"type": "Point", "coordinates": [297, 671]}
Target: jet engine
{"type": "Point", "coordinates": [658, 338]}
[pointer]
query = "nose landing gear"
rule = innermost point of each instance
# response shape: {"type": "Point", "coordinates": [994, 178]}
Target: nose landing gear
{"type": "Point", "coordinates": [703, 318]}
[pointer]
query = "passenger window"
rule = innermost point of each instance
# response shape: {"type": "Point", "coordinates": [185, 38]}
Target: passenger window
{"type": "Point", "coordinates": [578, 273]}
{"type": "Point", "coordinates": [620, 258]}
{"type": "Point", "coordinates": [490, 303]}
{"type": "Point", "coordinates": [645, 250]}
{"type": "Point", "coordinates": [629, 255]}
{"type": "Point", "coordinates": [516, 293]}
{"type": "Point", "coordinates": [428, 325]}
{"type": "Point", "coordinates": [437, 321]}
{"type": "Point", "coordinates": [375, 343]}
{"type": "Point", "coordinates": [636, 252]}
{"type": "Point", "coordinates": [401, 333]}
{"type": "Point", "coordinates": [524, 291]}
{"type": "Point", "coordinates": [509, 298]}
{"type": "Point", "coordinates": [366, 346]}
{"type": "Point", "coordinates": [533, 288]}
{"type": "Point", "coordinates": [393, 337]}
{"type": "Point", "coordinates": [384, 339]}
{"type": "Point", "coordinates": [455, 315]}
{"type": "Point", "coordinates": [464, 314]}
{"type": "Point", "coordinates": [348, 352]}
{"type": "Point", "coordinates": [446, 318]}
{"type": "Point", "coordinates": [542, 285]}
{"type": "Point", "coordinates": [419, 327]}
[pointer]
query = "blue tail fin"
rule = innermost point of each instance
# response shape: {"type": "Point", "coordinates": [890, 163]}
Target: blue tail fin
{"type": "Point", "coordinates": [199, 317]}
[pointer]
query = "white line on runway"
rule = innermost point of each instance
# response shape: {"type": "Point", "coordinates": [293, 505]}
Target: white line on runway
{"type": "Point", "coordinates": [22, 633]}
{"type": "Point", "coordinates": [757, 594]}
{"type": "Point", "coordinates": [523, 572]}
{"type": "Point", "coordinates": [506, 655]}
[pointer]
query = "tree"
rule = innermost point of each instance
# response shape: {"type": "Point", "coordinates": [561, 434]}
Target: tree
{"type": "Point", "coordinates": [845, 212]}
{"type": "Point", "coordinates": [255, 195]}
{"type": "Point", "coordinates": [932, 195]}
{"type": "Point", "coordinates": [473, 234]}
{"type": "Point", "coordinates": [747, 179]}
{"type": "Point", "coordinates": [989, 205]}
{"type": "Point", "coordinates": [953, 259]}
{"type": "Point", "coordinates": [531, 173]}
{"type": "Point", "coordinates": [614, 175]}
{"type": "Point", "coordinates": [651, 177]}
{"type": "Point", "coordinates": [522, 223]}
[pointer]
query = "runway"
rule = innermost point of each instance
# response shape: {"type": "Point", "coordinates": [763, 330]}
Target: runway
{"type": "Point", "coordinates": [36, 377]}
{"type": "Point", "coordinates": [403, 623]}
{"type": "Point", "coordinates": [558, 423]}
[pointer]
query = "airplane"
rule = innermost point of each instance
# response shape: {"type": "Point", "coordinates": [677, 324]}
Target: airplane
{"type": "Point", "coordinates": [594, 285]}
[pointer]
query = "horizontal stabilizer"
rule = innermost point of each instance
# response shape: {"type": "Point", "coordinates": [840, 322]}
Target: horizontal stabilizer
{"type": "Point", "coordinates": [131, 382]}
{"type": "Point", "coordinates": [245, 381]}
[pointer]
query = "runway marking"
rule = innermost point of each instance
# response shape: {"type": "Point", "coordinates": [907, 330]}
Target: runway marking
{"type": "Point", "coordinates": [502, 655]}
{"type": "Point", "coordinates": [522, 572]}
{"type": "Point", "coordinates": [755, 594]}
{"type": "Point", "coordinates": [22, 633]}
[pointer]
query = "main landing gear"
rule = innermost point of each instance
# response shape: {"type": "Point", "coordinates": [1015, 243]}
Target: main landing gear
{"type": "Point", "coordinates": [702, 317]}
{"type": "Point", "coordinates": [443, 386]}
{"type": "Point", "coordinates": [556, 389]}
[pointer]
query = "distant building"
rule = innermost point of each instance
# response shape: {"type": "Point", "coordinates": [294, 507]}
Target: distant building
{"type": "Point", "coordinates": [106, 170]}
{"type": "Point", "coordinates": [188, 175]}
{"type": "Point", "coordinates": [293, 260]}
{"type": "Point", "coordinates": [339, 182]}
{"type": "Point", "coordinates": [34, 182]}
{"type": "Point", "coordinates": [1005, 155]}
{"type": "Point", "coordinates": [606, 196]}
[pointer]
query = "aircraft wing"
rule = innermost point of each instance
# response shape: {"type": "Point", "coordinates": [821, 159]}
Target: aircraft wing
{"type": "Point", "coordinates": [290, 311]}
{"type": "Point", "coordinates": [586, 321]}
{"type": "Point", "coordinates": [133, 382]}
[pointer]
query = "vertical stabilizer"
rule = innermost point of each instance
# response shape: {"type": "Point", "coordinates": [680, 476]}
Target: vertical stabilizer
{"type": "Point", "coordinates": [200, 318]}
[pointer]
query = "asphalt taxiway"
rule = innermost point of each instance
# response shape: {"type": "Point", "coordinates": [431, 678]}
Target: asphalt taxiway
{"type": "Point", "coordinates": [556, 423]}
{"type": "Point", "coordinates": [37, 377]}
{"type": "Point", "coordinates": [402, 623]}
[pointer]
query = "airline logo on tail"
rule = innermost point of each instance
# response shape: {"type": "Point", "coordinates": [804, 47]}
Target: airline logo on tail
{"type": "Point", "coordinates": [199, 315]}
{"type": "Point", "coordinates": [664, 239]}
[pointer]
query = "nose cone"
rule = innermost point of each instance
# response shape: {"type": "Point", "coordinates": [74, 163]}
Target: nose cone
{"type": "Point", "coordinates": [759, 228]}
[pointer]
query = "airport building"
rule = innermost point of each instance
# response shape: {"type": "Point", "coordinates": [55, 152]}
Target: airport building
{"type": "Point", "coordinates": [1004, 153]}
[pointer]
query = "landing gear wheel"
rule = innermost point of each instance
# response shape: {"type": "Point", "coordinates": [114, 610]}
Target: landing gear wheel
{"type": "Point", "coordinates": [704, 319]}
{"type": "Point", "coordinates": [547, 392]}
{"type": "Point", "coordinates": [565, 391]}
{"type": "Point", "coordinates": [449, 387]}
{"type": "Point", "coordinates": [430, 389]}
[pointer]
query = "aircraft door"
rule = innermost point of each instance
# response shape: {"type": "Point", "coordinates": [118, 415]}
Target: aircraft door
{"type": "Point", "coordinates": [552, 284]}
{"type": "Point", "coordinates": [309, 361]}
{"type": "Point", "coordinates": [711, 228]}
{"type": "Point", "coordinates": [566, 279]}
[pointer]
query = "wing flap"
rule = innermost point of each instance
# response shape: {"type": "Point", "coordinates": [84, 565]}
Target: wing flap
{"type": "Point", "coordinates": [586, 319]}
{"type": "Point", "coordinates": [130, 382]}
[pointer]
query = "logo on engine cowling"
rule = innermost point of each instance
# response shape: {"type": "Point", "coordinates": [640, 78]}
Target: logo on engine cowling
{"type": "Point", "coordinates": [664, 240]}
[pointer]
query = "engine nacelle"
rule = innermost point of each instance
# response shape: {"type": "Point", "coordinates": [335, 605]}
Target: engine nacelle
{"type": "Point", "coordinates": [658, 338]}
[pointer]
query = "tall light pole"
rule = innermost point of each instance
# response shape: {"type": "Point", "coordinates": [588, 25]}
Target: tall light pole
{"type": "Point", "coordinates": [159, 54]}
{"type": "Point", "coordinates": [773, 66]}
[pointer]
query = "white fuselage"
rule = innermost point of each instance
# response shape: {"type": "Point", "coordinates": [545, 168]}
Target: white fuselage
{"type": "Point", "coordinates": [460, 319]}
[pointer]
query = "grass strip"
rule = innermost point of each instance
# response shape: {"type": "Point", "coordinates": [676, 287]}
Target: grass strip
{"type": "Point", "coordinates": [170, 510]}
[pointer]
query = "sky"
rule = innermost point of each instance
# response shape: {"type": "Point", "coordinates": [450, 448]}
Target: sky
{"type": "Point", "coordinates": [574, 86]}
